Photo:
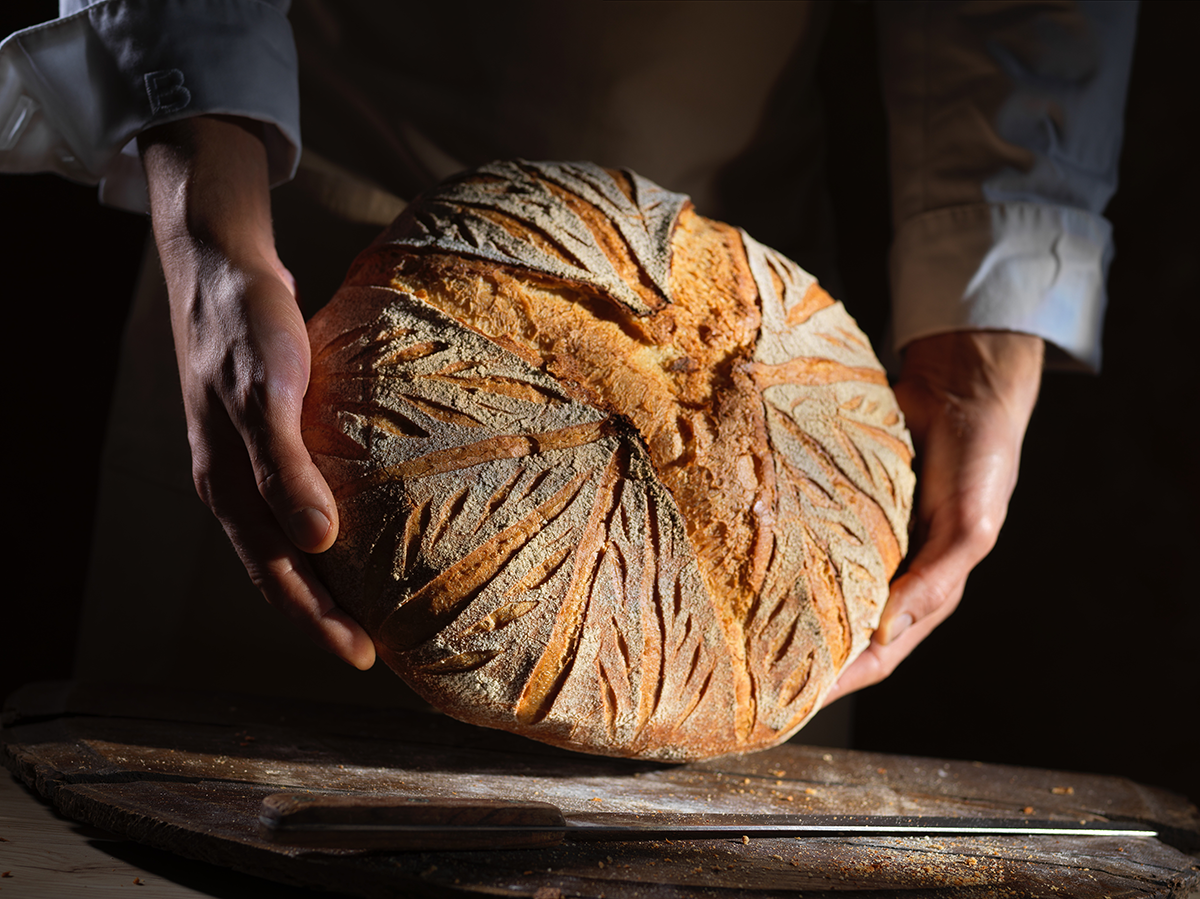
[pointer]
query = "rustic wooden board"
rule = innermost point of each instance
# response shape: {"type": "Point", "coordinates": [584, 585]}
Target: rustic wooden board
{"type": "Point", "coordinates": [187, 772]}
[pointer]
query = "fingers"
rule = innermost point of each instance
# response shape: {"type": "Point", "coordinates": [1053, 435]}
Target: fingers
{"type": "Point", "coordinates": [268, 419]}
{"type": "Point", "coordinates": [961, 531]}
{"type": "Point", "coordinates": [967, 398]}
{"type": "Point", "coordinates": [244, 359]}
{"type": "Point", "coordinates": [246, 375]}
{"type": "Point", "coordinates": [878, 661]}
{"type": "Point", "coordinates": [274, 563]}
{"type": "Point", "coordinates": [924, 596]}
{"type": "Point", "coordinates": [920, 599]}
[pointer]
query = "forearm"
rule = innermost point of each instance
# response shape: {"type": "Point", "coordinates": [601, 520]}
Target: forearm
{"type": "Point", "coordinates": [208, 184]}
{"type": "Point", "coordinates": [1000, 368]}
{"type": "Point", "coordinates": [232, 301]}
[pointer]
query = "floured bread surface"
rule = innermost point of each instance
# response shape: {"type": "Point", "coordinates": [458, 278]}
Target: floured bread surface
{"type": "Point", "coordinates": [610, 475]}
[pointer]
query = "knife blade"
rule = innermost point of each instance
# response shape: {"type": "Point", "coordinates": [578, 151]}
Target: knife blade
{"type": "Point", "coordinates": [314, 820]}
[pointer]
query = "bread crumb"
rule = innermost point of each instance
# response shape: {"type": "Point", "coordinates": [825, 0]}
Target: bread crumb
{"type": "Point", "coordinates": [1062, 791]}
{"type": "Point", "coordinates": [745, 841]}
{"type": "Point", "coordinates": [1028, 810]}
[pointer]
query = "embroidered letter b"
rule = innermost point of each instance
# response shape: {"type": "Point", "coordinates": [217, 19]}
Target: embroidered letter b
{"type": "Point", "coordinates": [166, 91]}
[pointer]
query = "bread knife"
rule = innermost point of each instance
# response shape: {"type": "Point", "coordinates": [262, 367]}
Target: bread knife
{"type": "Point", "coordinates": [346, 821]}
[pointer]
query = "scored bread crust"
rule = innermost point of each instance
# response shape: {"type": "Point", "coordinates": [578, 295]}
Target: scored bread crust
{"type": "Point", "coordinates": [609, 474]}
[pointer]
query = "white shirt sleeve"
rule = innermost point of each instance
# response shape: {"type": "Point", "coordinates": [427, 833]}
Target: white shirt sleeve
{"type": "Point", "coordinates": [1006, 125]}
{"type": "Point", "coordinates": [76, 92]}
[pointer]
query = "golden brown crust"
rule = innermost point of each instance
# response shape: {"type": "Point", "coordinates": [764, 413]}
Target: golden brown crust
{"type": "Point", "coordinates": [611, 475]}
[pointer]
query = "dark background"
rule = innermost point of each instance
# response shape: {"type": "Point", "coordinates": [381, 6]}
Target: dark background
{"type": "Point", "coordinates": [1075, 645]}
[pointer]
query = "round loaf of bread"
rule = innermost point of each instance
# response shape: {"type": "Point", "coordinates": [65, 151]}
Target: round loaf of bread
{"type": "Point", "coordinates": [610, 475]}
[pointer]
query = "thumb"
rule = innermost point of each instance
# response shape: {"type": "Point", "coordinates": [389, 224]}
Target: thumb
{"type": "Point", "coordinates": [934, 580]}
{"type": "Point", "coordinates": [288, 481]}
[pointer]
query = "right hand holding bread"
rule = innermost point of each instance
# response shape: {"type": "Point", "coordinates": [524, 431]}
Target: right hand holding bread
{"type": "Point", "coordinates": [967, 397]}
{"type": "Point", "coordinates": [243, 355]}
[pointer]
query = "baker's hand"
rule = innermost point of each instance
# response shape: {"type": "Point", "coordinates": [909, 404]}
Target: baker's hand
{"type": "Point", "coordinates": [967, 397]}
{"type": "Point", "coordinates": [243, 356]}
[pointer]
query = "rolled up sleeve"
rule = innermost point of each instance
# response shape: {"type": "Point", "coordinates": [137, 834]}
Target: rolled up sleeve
{"type": "Point", "coordinates": [1006, 124]}
{"type": "Point", "coordinates": [76, 92]}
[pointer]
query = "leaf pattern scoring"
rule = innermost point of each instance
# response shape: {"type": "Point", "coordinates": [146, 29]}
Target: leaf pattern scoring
{"type": "Point", "coordinates": [532, 540]}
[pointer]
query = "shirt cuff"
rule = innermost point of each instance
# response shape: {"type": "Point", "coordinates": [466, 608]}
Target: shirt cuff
{"type": "Point", "coordinates": [76, 92]}
{"type": "Point", "coordinates": [1028, 267]}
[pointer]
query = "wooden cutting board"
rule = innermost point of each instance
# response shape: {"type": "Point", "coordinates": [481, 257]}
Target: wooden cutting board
{"type": "Point", "coordinates": [186, 772]}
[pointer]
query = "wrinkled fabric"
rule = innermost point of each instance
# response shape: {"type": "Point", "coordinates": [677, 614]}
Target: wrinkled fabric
{"type": "Point", "coordinates": [1006, 125]}
{"type": "Point", "coordinates": [1028, 267]}
{"type": "Point", "coordinates": [995, 108]}
{"type": "Point", "coordinates": [76, 92]}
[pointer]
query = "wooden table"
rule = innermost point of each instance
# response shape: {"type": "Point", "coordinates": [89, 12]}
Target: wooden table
{"type": "Point", "coordinates": [48, 856]}
{"type": "Point", "coordinates": [186, 773]}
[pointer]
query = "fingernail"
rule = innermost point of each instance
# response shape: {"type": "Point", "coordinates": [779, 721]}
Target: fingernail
{"type": "Point", "coordinates": [308, 527]}
{"type": "Point", "coordinates": [899, 625]}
